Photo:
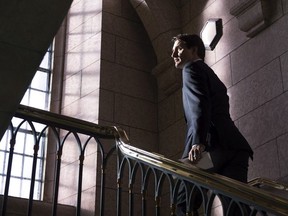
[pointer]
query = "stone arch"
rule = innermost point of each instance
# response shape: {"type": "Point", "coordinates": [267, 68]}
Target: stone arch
{"type": "Point", "coordinates": [161, 19]}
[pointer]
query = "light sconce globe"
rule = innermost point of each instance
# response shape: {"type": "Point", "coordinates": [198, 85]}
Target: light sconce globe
{"type": "Point", "coordinates": [211, 33]}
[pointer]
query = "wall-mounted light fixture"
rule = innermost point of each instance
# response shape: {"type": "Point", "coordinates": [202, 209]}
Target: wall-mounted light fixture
{"type": "Point", "coordinates": [211, 33]}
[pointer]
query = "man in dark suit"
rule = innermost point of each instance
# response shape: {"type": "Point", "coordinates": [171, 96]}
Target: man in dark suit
{"type": "Point", "coordinates": [206, 109]}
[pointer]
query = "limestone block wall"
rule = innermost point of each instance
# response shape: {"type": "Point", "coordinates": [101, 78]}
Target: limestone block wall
{"type": "Point", "coordinates": [128, 91]}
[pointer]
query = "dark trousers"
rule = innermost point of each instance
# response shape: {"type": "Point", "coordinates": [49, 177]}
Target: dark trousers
{"type": "Point", "coordinates": [232, 164]}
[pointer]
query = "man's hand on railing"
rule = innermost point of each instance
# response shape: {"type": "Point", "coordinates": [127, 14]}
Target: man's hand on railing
{"type": "Point", "coordinates": [196, 152]}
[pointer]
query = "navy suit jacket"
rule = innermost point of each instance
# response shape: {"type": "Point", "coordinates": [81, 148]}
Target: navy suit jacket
{"type": "Point", "coordinates": [206, 110]}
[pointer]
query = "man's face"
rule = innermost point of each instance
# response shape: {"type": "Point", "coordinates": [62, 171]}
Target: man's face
{"type": "Point", "coordinates": [181, 54]}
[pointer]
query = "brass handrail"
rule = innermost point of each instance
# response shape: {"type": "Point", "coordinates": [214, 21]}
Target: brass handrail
{"type": "Point", "coordinates": [262, 182]}
{"type": "Point", "coordinates": [246, 193]}
{"type": "Point", "coordinates": [65, 122]}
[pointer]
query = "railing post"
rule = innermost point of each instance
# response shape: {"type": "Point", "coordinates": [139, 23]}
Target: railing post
{"type": "Point", "coordinates": [80, 175]}
{"type": "Point", "coordinates": [173, 209]}
{"type": "Point", "coordinates": [102, 195]}
{"type": "Point", "coordinates": [57, 179]}
{"type": "Point", "coordinates": [34, 166]}
{"type": "Point", "coordinates": [131, 203]}
{"type": "Point", "coordinates": [8, 176]}
{"type": "Point", "coordinates": [119, 192]}
{"type": "Point", "coordinates": [157, 205]}
{"type": "Point", "coordinates": [143, 192]}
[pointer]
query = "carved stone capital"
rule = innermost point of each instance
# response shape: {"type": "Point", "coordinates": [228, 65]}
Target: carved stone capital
{"type": "Point", "coordinates": [168, 77]}
{"type": "Point", "coordinates": [251, 15]}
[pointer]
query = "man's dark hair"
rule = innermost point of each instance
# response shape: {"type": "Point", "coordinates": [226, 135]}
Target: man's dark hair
{"type": "Point", "coordinates": [192, 41]}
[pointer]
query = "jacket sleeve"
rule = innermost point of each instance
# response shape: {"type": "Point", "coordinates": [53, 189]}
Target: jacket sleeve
{"type": "Point", "coordinates": [197, 104]}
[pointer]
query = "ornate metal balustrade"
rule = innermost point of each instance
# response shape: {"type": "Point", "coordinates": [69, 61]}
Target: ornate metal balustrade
{"type": "Point", "coordinates": [145, 183]}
